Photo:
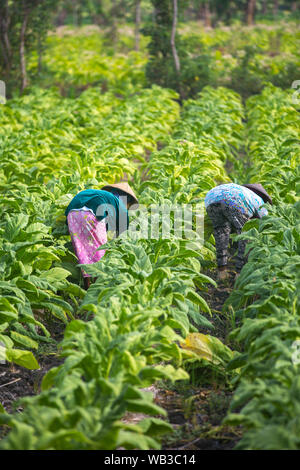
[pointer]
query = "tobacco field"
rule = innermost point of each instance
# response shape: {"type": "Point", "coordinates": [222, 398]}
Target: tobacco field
{"type": "Point", "coordinates": [151, 321]}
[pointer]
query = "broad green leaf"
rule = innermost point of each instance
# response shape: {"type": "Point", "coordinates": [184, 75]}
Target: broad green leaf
{"type": "Point", "coordinates": [23, 340]}
{"type": "Point", "coordinates": [55, 275]}
{"type": "Point", "coordinates": [198, 300]}
{"type": "Point", "coordinates": [22, 358]}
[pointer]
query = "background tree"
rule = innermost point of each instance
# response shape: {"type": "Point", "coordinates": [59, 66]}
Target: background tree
{"type": "Point", "coordinates": [23, 27]}
{"type": "Point", "coordinates": [137, 24]}
{"type": "Point", "coordinates": [173, 35]}
{"type": "Point", "coordinates": [164, 65]}
{"type": "Point", "coordinates": [251, 5]}
{"type": "Point", "coordinates": [6, 24]}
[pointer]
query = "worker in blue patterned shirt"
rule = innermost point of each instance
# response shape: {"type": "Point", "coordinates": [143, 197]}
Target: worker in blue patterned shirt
{"type": "Point", "coordinates": [230, 206]}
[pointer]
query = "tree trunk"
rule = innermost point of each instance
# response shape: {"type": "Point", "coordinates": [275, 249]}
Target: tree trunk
{"type": "Point", "coordinates": [153, 14]}
{"type": "Point", "coordinates": [113, 30]}
{"type": "Point", "coordinates": [24, 80]}
{"type": "Point", "coordinates": [265, 7]}
{"type": "Point", "coordinates": [199, 13]}
{"type": "Point", "coordinates": [190, 14]}
{"type": "Point", "coordinates": [174, 50]}
{"type": "Point", "coordinates": [275, 7]}
{"type": "Point", "coordinates": [207, 15]}
{"type": "Point", "coordinates": [251, 12]}
{"type": "Point", "coordinates": [137, 24]}
{"type": "Point", "coordinates": [6, 46]}
{"type": "Point", "coordinates": [294, 6]}
{"type": "Point", "coordinates": [60, 19]}
{"type": "Point", "coordinates": [40, 53]}
{"type": "Point", "coordinates": [214, 16]}
{"type": "Point", "coordinates": [75, 14]}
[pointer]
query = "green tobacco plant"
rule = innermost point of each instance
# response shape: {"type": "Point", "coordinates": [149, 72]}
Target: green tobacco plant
{"type": "Point", "coordinates": [266, 293]}
{"type": "Point", "coordinates": [28, 283]}
{"type": "Point", "coordinates": [147, 290]}
{"type": "Point", "coordinates": [95, 139]}
{"type": "Point", "coordinates": [266, 297]}
{"type": "Point", "coordinates": [273, 144]}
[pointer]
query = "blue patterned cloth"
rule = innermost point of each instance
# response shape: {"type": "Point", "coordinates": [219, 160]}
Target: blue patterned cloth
{"type": "Point", "coordinates": [237, 196]}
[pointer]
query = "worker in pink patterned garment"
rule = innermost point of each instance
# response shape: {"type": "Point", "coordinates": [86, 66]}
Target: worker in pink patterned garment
{"type": "Point", "coordinates": [87, 216]}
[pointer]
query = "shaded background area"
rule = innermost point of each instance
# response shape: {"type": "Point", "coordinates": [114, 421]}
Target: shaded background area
{"type": "Point", "coordinates": [182, 45]}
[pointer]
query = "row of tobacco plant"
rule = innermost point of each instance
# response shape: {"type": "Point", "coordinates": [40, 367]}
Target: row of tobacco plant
{"type": "Point", "coordinates": [266, 402]}
{"type": "Point", "coordinates": [135, 320]}
{"type": "Point", "coordinates": [52, 148]}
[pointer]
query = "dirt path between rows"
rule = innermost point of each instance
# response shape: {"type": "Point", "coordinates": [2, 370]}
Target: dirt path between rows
{"type": "Point", "coordinates": [17, 382]}
{"type": "Point", "coordinates": [195, 411]}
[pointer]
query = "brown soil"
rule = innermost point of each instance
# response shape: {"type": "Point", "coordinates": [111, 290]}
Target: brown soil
{"type": "Point", "coordinates": [195, 412]}
{"type": "Point", "coordinates": [216, 297]}
{"type": "Point", "coordinates": [196, 419]}
{"type": "Point", "coordinates": [17, 382]}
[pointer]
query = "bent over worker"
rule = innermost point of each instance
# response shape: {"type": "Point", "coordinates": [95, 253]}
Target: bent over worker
{"type": "Point", "coordinates": [91, 213]}
{"type": "Point", "coordinates": [230, 206]}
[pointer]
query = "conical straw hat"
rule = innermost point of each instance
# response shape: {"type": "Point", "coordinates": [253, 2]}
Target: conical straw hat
{"type": "Point", "coordinates": [260, 190]}
{"type": "Point", "coordinates": [123, 187]}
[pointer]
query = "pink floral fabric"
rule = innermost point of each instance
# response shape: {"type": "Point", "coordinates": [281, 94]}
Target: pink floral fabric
{"type": "Point", "coordinates": [87, 235]}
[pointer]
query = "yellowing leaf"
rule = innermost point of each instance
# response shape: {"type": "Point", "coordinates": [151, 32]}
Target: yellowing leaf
{"type": "Point", "coordinates": [198, 343]}
{"type": "Point", "coordinates": [208, 347]}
